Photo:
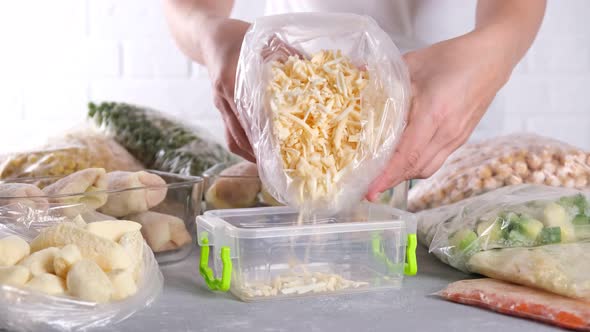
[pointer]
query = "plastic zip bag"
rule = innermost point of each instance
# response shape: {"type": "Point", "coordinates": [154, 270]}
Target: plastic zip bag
{"type": "Point", "coordinates": [159, 142]}
{"type": "Point", "coordinates": [520, 301]}
{"type": "Point", "coordinates": [104, 151]}
{"type": "Point", "coordinates": [502, 161]}
{"type": "Point", "coordinates": [25, 310]}
{"type": "Point", "coordinates": [537, 236]}
{"type": "Point", "coordinates": [76, 150]}
{"type": "Point", "coordinates": [323, 99]}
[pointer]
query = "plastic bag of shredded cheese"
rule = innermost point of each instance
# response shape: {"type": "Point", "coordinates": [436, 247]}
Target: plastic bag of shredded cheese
{"type": "Point", "coordinates": [323, 99]}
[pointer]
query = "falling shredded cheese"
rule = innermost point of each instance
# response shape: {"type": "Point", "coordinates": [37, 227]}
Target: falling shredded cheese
{"type": "Point", "coordinates": [316, 114]}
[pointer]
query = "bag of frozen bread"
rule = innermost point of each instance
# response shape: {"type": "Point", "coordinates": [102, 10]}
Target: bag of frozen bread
{"type": "Point", "coordinates": [323, 99]}
{"type": "Point", "coordinates": [537, 236]}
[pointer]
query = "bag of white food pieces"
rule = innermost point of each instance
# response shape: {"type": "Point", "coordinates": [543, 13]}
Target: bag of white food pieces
{"type": "Point", "coordinates": [58, 273]}
{"type": "Point", "coordinates": [323, 99]}
{"type": "Point", "coordinates": [537, 236]}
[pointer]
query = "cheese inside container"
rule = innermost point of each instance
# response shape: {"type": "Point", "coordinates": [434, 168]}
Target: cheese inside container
{"type": "Point", "coordinates": [270, 252]}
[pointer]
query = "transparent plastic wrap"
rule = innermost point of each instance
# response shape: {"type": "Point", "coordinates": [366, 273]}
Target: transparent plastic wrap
{"type": "Point", "coordinates": [54, 161]}
{"type": "Point", "coordinates": [239, 186]}
{"type": "Point", "coordinates": [520, 301]}
{"type": "Point", "coordinates": [24, 309]}
{"type": "Point", "coordinates": [323, 99]}
{"type": "Point", "coordinates": [166, 204]}
{"type": "Point", "coordinates": [538, 236]}
{"type": "Point", "coordinates": [159, 142]}
{"type": "Point", "coordinates": [503, 161]}
{"type": "Point", "coordinates": [76, 150]}
{"type": "Point", "coordinates": [104, 151]}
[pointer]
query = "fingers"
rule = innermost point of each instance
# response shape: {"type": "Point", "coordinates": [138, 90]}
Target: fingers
{"type": "Point", "coordinates": [233, 147]}
{"type": "Point", "coordinates": [404, 163]}
{"type": "Point", "coordinates": [276, 49]}
{"type": "Point", "coordinates": [442, 154]}
{"type": "Point", "coordinates": [237, 140]}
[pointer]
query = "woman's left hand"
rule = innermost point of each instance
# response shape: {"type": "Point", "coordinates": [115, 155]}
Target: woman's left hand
{"type": "Point", "coordinates": [453, 83]}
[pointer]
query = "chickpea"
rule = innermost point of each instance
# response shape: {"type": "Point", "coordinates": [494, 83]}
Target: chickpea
{"type": "Point", "coordinates": [520, 168]}
{"type": "Point", "coordinates": [491, 184]}
{"type": "Point", "coordinates": [581, 182]}
{"type": "Point", "coordinates": [537, 177]}
{"type": "Point", "coordinates": [484, 172]}
{"type": "Point", "coordinates": [534, 162]}
{"type": "Point", "coordinates": [549, 167]}
{"type": "Point", "coordinates": [552, 180]}
{"type": "Point", "coordinates": [568, 182]}
{"type": "Point", "coordinates": [514, 180]}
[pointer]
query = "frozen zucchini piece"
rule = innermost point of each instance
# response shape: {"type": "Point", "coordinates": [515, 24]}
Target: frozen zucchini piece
{"type": "Point", "coordinates": [581, 219]}
{"type": "Point", "coordinates": [463, 239]}
{"type": "Point", "coordinates": [556, 216]}
{"type": "Point", "coordinates": [576, 204]}
{"type": "Point", "coordinates": [520, 229]}
{"type": "Point", "coordinates": [489, 232]}
{"type": "Point", "coordinates": [550, 235]}
{"type": "Point", "coordinates": [490, 228]}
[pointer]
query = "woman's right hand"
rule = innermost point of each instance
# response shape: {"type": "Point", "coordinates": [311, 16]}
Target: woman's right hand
{"type": "Point", "coordinates": [221, 52]}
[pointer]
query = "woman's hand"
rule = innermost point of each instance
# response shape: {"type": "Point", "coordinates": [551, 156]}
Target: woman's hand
{"type": "Point", "coordinates": [221, 53]}
{"type": "Point", "coordinates": [453, 83]}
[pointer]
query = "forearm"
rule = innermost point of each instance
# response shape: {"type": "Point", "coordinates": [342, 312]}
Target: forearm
{"type": "Point", "coordinates": [511, 25]}
{"type": "Point", "coordinates": [193, 24]}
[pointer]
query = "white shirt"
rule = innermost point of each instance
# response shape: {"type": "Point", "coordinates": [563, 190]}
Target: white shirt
{"type": "Point", "coordinates": [411, 24]}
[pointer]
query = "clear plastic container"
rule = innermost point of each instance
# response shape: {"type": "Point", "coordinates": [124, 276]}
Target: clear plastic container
{"type": "Point", "coordinates": [182, 201]}
{"type": "Point", "coordinates": [267, 253]}
{"type": "Point", "coordinates": [396, 197]}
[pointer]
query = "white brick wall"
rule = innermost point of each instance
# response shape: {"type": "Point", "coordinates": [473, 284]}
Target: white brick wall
{"type": "Point", "coordinates": [57, 55]}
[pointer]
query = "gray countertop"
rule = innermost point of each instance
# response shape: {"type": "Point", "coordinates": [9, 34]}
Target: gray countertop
{"type": "Point", "coordinates": [187, 305]}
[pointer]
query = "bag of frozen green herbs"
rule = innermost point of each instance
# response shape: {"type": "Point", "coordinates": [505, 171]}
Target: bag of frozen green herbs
{"type": "Point", "coordinates": [537, 236]}
{"type": "Point", "coordinates": [159, 142]}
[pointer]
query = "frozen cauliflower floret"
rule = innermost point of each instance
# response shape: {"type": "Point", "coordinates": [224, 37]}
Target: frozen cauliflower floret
{"type": "Point", "coordinates": [40, 262]}
{"type": "Point", "coordinates": [87, 281]}
{"type": "Point", "coordinates": [123, 284]}
{"type": "Point", "coordinates": [48, 284]}
{"type": "Point", "coordinates": [12, 250]}
{"type": "Point", "coordinates": [317, 120]}
{"type": "Point", "coordinates": [14, 275]}
{"type": "Point", "coordinates": [109, 255]}
{"type": "Point", "coordinates": [65, 258]}
{"type": "Point", "coordinates": [133, 242]}
{"type": "Point", "coordinates": [112, 229]}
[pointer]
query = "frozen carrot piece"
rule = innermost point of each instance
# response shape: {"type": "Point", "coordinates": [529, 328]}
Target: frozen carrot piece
{"type": "Point", "coordinates": [520, 301]}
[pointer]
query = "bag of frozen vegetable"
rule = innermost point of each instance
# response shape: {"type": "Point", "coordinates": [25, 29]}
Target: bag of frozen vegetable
{"type": "Point", "coordinates": [59, 273]}
{"type": "Point", "coordinates": [502, 161]}
{"type": "Point", "coordinates": [538, 236]}
{"type": "Point", "coordinates": [323, 99]}
{"type": "Point", "coordinates": [159, 142]}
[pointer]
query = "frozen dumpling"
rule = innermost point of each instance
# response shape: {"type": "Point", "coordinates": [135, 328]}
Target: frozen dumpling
{"type": "Point", "coordinates": [22, 193]}
{"type": "Point", "coordinates": [89, 183]}
{"type": "Point", "coordinates": [162, 231]}
{"type": "Point", "coordinates": [126, 202]}
{"type": "Point", "coordinates": [236, 187]}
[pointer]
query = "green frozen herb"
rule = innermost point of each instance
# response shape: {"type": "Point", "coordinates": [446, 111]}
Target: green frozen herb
{"type": "Point", "coordinates": [159, 142]}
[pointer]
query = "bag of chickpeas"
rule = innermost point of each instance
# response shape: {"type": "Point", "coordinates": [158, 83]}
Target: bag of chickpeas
{"type": "Point", "coordinates": [503, 161]}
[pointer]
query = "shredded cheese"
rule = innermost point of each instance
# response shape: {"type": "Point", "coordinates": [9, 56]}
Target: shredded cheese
{"type": "Point", "coordinates": [316, 115]}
